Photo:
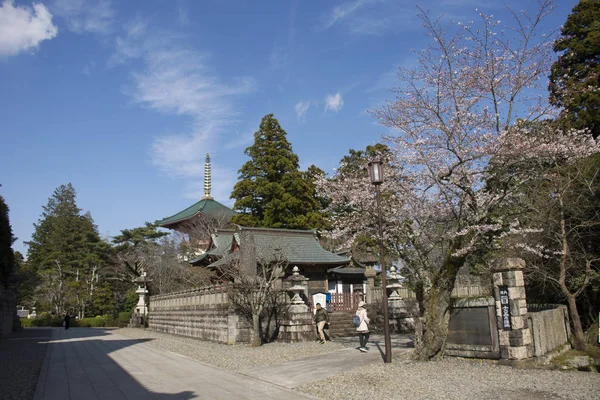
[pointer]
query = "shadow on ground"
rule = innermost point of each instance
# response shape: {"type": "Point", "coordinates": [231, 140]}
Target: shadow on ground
{"type": "Point", "coordinates": [53, 363]}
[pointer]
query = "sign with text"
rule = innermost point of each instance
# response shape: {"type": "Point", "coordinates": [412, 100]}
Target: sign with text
{"type": "Point", "coordinates": [505, 307]}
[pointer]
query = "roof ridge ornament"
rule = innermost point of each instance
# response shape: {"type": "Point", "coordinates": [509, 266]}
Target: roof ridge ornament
{"type": "Point", "coordinates": [207, 177]}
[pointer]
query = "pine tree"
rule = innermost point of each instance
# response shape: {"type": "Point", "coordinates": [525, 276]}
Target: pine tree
{"type": "Point", "coordinates": [7, 260]}
{"type": "Point", "coordinates": [575, 76]}
{"type": "Point", "coordinates": [67, 252]}
{"type": "Point", "coordinates": [271, 191]}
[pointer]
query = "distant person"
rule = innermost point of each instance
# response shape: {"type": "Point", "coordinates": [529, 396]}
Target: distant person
{"type": "Point", "coordinates": [67, 321]}
{"type": "Point", "coordinates": [321, 318]}
{"type": "Point", "coordinates": [363, 326]}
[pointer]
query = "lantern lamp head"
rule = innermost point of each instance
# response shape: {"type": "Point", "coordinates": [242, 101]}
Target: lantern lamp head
{"type": "Point", "coordinates": [376, 172]}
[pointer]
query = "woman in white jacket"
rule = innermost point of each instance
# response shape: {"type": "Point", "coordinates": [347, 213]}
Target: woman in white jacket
{"type": "Point", "coordinates": [363, 327]}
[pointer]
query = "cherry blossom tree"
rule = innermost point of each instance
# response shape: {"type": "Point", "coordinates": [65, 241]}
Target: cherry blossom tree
{"type": "Point", "coordinates": [561, 198]}
{"type": "Point", "coordinates": [450, 121]}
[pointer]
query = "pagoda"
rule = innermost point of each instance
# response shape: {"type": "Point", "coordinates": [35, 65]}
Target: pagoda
{"type": "Point", "coordinates": [201, 218]}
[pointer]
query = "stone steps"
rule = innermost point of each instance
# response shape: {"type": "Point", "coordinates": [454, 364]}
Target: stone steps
{"type": "Point", "coordinates": [341, 324]}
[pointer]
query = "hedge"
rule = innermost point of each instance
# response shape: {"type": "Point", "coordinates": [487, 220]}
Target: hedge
{"type": "Point", "coordinates": [101, 321]}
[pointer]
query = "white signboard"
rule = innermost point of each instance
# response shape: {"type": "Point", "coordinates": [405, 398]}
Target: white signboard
{"type": "Point", "coordinates": [318, 298]}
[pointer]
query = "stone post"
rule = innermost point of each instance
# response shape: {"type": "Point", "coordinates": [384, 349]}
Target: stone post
{"type": "Point", "coordinates": [511, 309]}
{"type": "Point", "coordinates": [370, 275]}
{"type": "Point", "coordinates": [297, 325]}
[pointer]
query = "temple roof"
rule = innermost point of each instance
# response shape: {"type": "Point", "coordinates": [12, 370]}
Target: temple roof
{"type": "Point", "coordinates": [297, 247]}
{"type": "Point", "coordinates": [206, 206]}
{"type": "Point", "coordinates": [350, 269]}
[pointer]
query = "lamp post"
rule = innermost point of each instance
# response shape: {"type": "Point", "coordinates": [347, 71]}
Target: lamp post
{"type": "Point", "coordinates": [376, 174]}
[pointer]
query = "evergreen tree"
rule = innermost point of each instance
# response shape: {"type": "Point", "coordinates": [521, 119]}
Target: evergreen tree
{"type": "Point", "coordinates": [23, 281]}
{"type": "Point", "coordinates": [271, 191]}
{"type": "Point", "coordinates": [575, 76]}
{"type": "Point", "coordinates": [131, 248]}
{"type": "Point", "coordinates": [7, 260]}
{"type": "Point", "coordinates": [67, 252]}
{"type": "Point", "coordinates": [131, 238]}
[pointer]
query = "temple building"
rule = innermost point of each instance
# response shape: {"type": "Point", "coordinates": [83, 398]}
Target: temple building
{"type": "Point", "coordinates": [202, 218]}
{"type": "Point", "coordinates": [216, 242]}
{"type": "Point", "coordinates": [297, 248]}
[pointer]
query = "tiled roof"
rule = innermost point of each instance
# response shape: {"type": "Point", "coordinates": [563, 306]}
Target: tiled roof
{"type": "Point", "coordinates": [296, 246]}
{"type": "Point", "coordinates": [222, 241]}
{"type": "Point", "coordinates": [204, 206]}
{"type": "Point", "coordinates": [347, 270]}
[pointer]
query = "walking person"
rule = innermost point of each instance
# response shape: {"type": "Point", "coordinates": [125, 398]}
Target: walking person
{"type": "Point", "coordinates": [67, 321]}
{"type": "Point", "coordinates": [363, 326]}
{"type": "Point", "coordinates": [321, 318]}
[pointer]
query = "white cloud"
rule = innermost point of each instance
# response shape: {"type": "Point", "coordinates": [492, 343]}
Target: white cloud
{"type": "Point", "coordinates": [95, 16]}
{"type": "Point", "coordinates": [23, 28]}
{"type": "Point", "coordinates": [278, 59]}
{"type": "Point", "coordinates": [372, 17]}
{"type": "Point", "coordinates": [302, 108]}
{"type": "Point", "coordinates": [129, 46]}
{"type": "Point", "coordinates": [179, 80]}
{"type": "Point", "coordinates": [344, 11]}
{"type": "Point", "coordinates": [183, 17]}
{"type": "Point", "coordinates": [334, 102]}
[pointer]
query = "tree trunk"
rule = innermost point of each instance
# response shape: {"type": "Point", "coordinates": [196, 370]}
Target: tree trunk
{"type": "Point", "coordinates": [256, 342]}
{"type": "Point", "coordinates": [578, 335]}
{"type": "Point", "coordinates": [432, 327]}
{"type": "Point", "coordinates": [571, 298]}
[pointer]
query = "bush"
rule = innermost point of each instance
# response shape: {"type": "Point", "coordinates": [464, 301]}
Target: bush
{"type": "Point", "coordinates": [43, 319]}
{"type": "Point", "coordinates": [124, 318]}
{"type": "Point", "coordinates": [101, 321]}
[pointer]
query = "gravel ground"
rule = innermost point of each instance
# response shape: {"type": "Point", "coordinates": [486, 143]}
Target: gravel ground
{"type": "Point", "coordinates": [21, 358]}
{"type": "Point", "coordinates": [403, 379]}
{"type": "Point", "coordinates": [455, 379]}
{"type": "Point", "coordinates": [232, 358]}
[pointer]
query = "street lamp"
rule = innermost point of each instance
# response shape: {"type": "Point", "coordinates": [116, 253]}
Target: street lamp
{"type": "Point", "coordinates": [376, 174]}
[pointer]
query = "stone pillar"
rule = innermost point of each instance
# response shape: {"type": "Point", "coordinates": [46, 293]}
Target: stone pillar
{"type": "Point", "coordinates": [511, 309]}
{"type": "Point", "coordinates": [370, 275]}
{"type": "Point", "coordinates": [297, 325]}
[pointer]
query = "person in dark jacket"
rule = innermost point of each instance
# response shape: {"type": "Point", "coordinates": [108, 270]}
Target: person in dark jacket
{"type": "Point", "coordinates": [67, 320]}
{"type": "Point", "coordinates": [321, 318]}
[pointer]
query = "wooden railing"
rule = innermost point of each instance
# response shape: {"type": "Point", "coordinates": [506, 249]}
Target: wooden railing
{"type": "Point", "coordinates": [344, 301]}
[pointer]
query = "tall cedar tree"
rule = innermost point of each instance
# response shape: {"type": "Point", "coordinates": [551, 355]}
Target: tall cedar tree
{"type": "Point", "coordinates": [271, 191]}
{"type": "Point", "coordinates": [7, 260]}
{"type": "Point", "coordinates": [575, 76]}
{"type": "Point", "coordinates": [66, 246]}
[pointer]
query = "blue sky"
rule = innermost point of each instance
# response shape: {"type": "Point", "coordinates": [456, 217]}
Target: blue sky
{"type": "Point", "coordinates": [124, 98]}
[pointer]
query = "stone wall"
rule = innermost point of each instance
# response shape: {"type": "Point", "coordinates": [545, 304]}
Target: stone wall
{"type": "Point", "coordinates": [404, 312]}
{"type": "Point", "coordinates": [8, 310]}
{"type": "Point", "coordinates": [202, 313]}
{"type": "Point", "coordinates": [549, 328]}
{"type": "Point", "coordinates": [472, 330]}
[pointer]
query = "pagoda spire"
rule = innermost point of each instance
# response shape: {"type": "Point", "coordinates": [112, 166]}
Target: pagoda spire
{"type": "Point", "coordinates": [207, 178]}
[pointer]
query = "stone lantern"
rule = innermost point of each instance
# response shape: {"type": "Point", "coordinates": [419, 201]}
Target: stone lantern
{"type": "Point", "coordinates": [297, 325]}
{"type": "Point", "coordinates": [397, 305]}
{"type": "Point", "coordinates": [297, 281]}
{"type": "Point", "coordinates": [141, 309]}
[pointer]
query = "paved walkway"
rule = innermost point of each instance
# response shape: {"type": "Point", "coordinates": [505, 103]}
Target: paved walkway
{"type": "Point", "coordinates": [299, 372]}
{"type": "Point", "coordinates": [22, 355]}
{"type": "Point", "coordinates": [89, 364]}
